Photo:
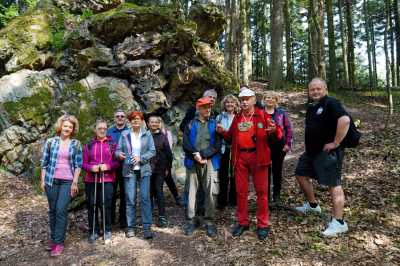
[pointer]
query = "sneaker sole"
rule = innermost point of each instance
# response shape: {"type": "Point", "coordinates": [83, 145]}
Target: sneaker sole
{"type": "Point", "coordinates": [49, 249]}
{"type": "Point", "coordinates": [55, 255]}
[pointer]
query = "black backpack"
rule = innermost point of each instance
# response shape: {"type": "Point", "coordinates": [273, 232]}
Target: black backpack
{"type": "Point", "coordinates": [110, 143]}
{"type": "Point", "coordinates": [352, 138]}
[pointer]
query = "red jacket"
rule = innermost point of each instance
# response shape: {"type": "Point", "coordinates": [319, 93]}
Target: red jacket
{"type": "Point", "coordinates": [260, 123]}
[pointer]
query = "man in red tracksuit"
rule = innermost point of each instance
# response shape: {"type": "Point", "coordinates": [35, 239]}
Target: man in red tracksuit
{"type": "Point", "coordinates": [251, 155]}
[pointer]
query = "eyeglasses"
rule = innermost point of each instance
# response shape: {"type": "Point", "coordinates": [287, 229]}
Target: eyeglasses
{"type": "Point", "coordinates": [119, 116]}
{"type": "Point", "coordinates": [102, 129]}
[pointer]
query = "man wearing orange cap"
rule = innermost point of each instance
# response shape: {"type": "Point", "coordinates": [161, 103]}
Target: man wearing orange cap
{"type": "Point", "coordinates": [202, 144]}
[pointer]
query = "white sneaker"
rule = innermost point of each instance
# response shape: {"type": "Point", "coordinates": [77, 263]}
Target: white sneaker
{"type": "Point", "coordinates": [335, 227]}
{"type": "Point", "coordinates": [307, 208]}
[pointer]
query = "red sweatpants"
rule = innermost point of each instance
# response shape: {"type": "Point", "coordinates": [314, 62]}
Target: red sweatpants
{"type": "Point", "coordinates": [248, 163]}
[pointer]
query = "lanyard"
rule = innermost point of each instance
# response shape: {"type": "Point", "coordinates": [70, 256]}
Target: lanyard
{"type": "Point", "coordinates": [250, 116]}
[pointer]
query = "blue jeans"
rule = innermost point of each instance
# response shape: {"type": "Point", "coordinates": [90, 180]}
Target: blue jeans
{"type": "Point", "coordinates": [200, 197]}
{"type": "Point", "coordinates": [130, 196]}
{"type": "Point", "coordinates": [59, 196]}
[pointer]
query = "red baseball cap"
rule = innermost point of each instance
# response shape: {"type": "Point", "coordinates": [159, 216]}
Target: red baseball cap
{"type": "Point", "coordinates": [203, 101]}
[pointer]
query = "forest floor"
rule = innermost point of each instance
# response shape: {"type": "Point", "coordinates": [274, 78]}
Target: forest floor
{"type": "Point", "coordinates": [371, 176]}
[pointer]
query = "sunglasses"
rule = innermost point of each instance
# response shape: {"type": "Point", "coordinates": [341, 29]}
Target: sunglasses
{"type": "Point", "coordinates": [119, 116]}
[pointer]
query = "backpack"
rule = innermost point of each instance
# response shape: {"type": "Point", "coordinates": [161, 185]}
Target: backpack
{"type": "Point", "coordinates": [352, 138]}
{"type": "Point", "coordinates": [52, 142]}
{"type": "Point", "coordinates": [90, 145]}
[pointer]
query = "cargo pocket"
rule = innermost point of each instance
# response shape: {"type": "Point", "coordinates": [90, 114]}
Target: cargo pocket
{"type": "Point", "coordinates": [215, 184]}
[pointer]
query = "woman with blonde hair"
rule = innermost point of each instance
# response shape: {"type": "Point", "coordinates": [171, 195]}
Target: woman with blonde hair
{"type": "Point", "coordinates": [61, 165]}
{"type": "Point", "coordinates": [278, 148]}
{"type": "Point", "coordinates": [230, 106]}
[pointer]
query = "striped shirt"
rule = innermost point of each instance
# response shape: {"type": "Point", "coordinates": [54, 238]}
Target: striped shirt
{"type": "Point", "coordinates": [49, 157]}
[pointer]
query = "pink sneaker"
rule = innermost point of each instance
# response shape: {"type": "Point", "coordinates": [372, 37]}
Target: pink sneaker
{"type": "Point", "coordinates": [56, 251]}
{"type": "Point", "coordinates": [51, 246]}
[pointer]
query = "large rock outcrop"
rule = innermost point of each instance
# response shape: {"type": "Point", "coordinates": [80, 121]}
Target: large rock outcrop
{"type": "Point", "coordinates": [129, 57]}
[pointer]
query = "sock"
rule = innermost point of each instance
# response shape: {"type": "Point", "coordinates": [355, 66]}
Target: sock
{"type": "Point", "coordinates": [340, 221]}
{"type": "Point", "coordinates": [313, 205]}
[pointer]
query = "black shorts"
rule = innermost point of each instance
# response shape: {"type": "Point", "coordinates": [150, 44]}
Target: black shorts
{"type": "Point", "coordinates": [324, 167]}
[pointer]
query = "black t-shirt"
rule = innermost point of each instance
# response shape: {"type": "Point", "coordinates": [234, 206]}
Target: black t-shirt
{"type": "Point", "coordinates": [321, 123]}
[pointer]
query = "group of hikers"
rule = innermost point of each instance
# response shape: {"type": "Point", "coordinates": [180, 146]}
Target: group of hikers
{"type": "Point", "coordinates": [248, 140]}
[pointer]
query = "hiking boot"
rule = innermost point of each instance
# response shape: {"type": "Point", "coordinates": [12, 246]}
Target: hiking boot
{"type": "Point", "coordinates": [262, 233]}
{"type": "Point", "coordinates": [307, 208]}
{"type": "Point", "coordinates": [56, 251]}
{"type": "Point", "coordinates": [148, 233]}
{"type": "Point", "coordinates": [107, 237]}
{"type": "Point", "coordinates": [161, 222]}
{"type": "Point", "coordinates": [131, 232]}
{"type": "Point", "coordinates": [51, 246]}
{"type": "Point", "coordinates": [190, 229]}
{"type": "Point", "coordinates": [179, 201]}
{"type": "Point", "coordinates": [93, 238]}
{"type": "Point", "coordinates": [277, 199]}
{"type": "Point", "coordinates": [335, 227]}
{"type": "Point", "coordinates": [240, 229]}
{"type": "Point", "coordinates": [211, 230]}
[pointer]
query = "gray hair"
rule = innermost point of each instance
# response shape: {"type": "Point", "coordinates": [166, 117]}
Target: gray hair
{"type": "Point", "coordinates": [100, 121]}
{"type": "Point", "coordinates": [320, 79]}
{"type": "Point", "coordinates": [119, 110]}
{"type": "Point", "coordinates": [212, 91]}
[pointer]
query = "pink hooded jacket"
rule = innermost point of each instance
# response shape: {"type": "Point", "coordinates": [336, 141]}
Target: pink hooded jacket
{"type": "Point", "coordinates": [100, 154]}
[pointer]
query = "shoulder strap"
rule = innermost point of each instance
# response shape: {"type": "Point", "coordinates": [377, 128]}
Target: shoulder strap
{"type": "Point", "coordinates": [51, 143]}
{"type": "Point", "coordinates": [111, 144]}
{"type": "Point", "coordinates": [90, 145]}
{"type": "Point", "coordinates": [77, 146]}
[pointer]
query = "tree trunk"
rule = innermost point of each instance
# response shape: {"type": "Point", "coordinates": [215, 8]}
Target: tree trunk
{"type": "Point", "coordinates": [321, 40]}
{"type": "Point", "coordinates": [375, 75]}
{"type": "Point", "coordinates": [276, 69]}
{"type": "Point", "coordinates": [244, 42]}
{"type": "Point", "coordinates": [234, 31]}
{"type": "Point", "coordinates": [228, 36]}
{"type": "Point", "coordinates": [264, 41]}
{"type": "Point", "coordinates": [344, 50]}
{"type": "Point", "coordinates": [392, 65]}
{"type": "Point", "coordinates": [397, 23]}
{"type": "Point", "coordinates": [22, 6]}
{"type": "Point", "coordinates": [366, 12]}
{"type": "Point", "coordinates": [312, 44]}
{"type": "Point", "coordinates": [154, 2]}
{"type": "Point", "coordinates": [289, 66]}
{"type": "Point", "coordinates": [248, 33]}
{"type": "Point", "coordinates": [332, 47]}
{"type": "Point", "coordinates": [351, 43]}
{"type": "Point", "coordinates": [389, 92]}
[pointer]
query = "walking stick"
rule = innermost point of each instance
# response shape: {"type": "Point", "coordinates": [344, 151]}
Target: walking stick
{"type": "Point", "coordinates": [104, 209]}
{"type": "Point", "coordinates": [94, 205]}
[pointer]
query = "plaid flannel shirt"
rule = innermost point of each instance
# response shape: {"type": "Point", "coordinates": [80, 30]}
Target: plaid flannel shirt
{"type": "Point", "coordinates": [49, 158]}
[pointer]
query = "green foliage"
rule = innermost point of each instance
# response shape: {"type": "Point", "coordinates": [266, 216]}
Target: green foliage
{"type": "Point", "coordinates": [59, 40]}
{"type": "Point", "coordinates": [58, 57]}
{"type": "Point", "coordinates": [68, 14]}
{"type": "Point", "coordinates": [7, 13]}
{"type": "Point", "coordinates": [87, 13]}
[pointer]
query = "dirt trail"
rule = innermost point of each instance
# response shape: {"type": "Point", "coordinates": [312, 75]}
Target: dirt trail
{"type": "Point", "coordinates": [371, 178]}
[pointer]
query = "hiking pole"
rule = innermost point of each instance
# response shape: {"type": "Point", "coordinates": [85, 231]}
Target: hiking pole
{"type": "Point", "coordinates": [94, 205]}
{"type": "Point", "coordinates": [104, 209]}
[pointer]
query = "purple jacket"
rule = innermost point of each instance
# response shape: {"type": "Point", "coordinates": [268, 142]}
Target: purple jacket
{"type": "Point", "coordinates": [100, 154]}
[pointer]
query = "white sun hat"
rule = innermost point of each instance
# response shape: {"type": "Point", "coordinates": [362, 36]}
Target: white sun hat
{"type": "Point", "coordinates": [246, 93]}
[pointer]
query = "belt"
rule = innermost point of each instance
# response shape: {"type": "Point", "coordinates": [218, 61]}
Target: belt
{"type": "Point", "coordinates": [248, 150]}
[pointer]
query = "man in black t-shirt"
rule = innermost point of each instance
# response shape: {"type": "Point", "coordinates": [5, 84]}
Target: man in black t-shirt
{"type": "Point", "coordinates": [327, 123]}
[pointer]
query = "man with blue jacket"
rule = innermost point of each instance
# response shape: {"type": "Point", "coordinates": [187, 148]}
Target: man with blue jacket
{"type": "Point", "coordinates": [202, 144]}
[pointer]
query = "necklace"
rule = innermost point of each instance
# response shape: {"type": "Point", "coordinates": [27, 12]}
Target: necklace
{"type": "Point", "coordinates": [246, 125]}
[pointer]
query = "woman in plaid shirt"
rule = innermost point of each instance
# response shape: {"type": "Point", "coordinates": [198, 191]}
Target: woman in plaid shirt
{"type": "Point", "coordinates": [61, 165]}
{"type": "Point", "coordinates": [278, 148]}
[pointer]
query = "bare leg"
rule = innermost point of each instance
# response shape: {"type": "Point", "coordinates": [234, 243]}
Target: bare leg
{"type": "Point", "coordinates": [337, 201]}
{"type": "Point", "coordinates": [306, 187]}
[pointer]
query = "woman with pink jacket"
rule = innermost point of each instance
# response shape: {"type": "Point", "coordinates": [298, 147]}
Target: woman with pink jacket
{"type": "Point", "coordinates": [99, 156]}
